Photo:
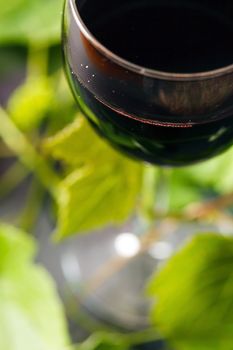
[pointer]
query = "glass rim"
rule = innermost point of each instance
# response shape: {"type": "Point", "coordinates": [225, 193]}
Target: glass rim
{"type": "Point", "coordinates": [152, 73]}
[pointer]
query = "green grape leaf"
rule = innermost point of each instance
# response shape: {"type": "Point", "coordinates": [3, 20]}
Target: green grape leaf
{"type": "Point", "coordinates": [181, 191]}
{"type": "Point", "coordinates": [103, 186]}
{"type": "Point", "coordinates": [104, 341]}
{"type": "Point", "coordinates": [30, 21]}
{"type": "Point", "coordinates": [78, 144]}
{"type": "Point", "coordinates": [96, 196]}
{"type": "Point", "coordinates": [216, 173]}
{"type": "Point", "coordinates": [29, 104]}
{"type": "Point", "coordinates": [193, 295]}
{"type": "Point", "coordinates": [31, 313]}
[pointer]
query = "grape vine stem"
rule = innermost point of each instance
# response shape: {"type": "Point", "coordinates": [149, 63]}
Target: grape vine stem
{"type": "Point", "coordinates": [27, 154]}
{"type": "Point", "coordinates": [168, 223]}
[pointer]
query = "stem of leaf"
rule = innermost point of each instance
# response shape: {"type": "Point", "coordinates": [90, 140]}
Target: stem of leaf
{"type": "Point", "coordinates": [33, 206]}
{"type": "Point", "coordinates": [28, 155]}
{"type": "Point", "coordinates": [37, 63]}
{"type": "Point", "coordinates": [4, 151]}
{"type": "Point", "coordinates": [12, 178]}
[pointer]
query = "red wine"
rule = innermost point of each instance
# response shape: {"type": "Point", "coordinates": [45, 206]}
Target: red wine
{"type": "Point", "coordinates": [161, 35]}
{"type": "Point", "coordinates": [162, 121]}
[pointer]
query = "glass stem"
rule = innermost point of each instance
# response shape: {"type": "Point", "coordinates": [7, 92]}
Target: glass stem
{"type": "Point", "coordinates": [155, 194]}
{"type": "Point", "coordinates": [163, 197]}
{"type": "Point", "coordinates": [149, 193]}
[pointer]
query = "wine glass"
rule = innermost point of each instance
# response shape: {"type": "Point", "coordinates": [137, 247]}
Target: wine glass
{"type": "Point", "coordinates": [155, 79]}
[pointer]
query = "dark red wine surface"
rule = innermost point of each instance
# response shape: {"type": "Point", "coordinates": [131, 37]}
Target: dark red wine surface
{"type": "Point", "coordinates": [170, 38]}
